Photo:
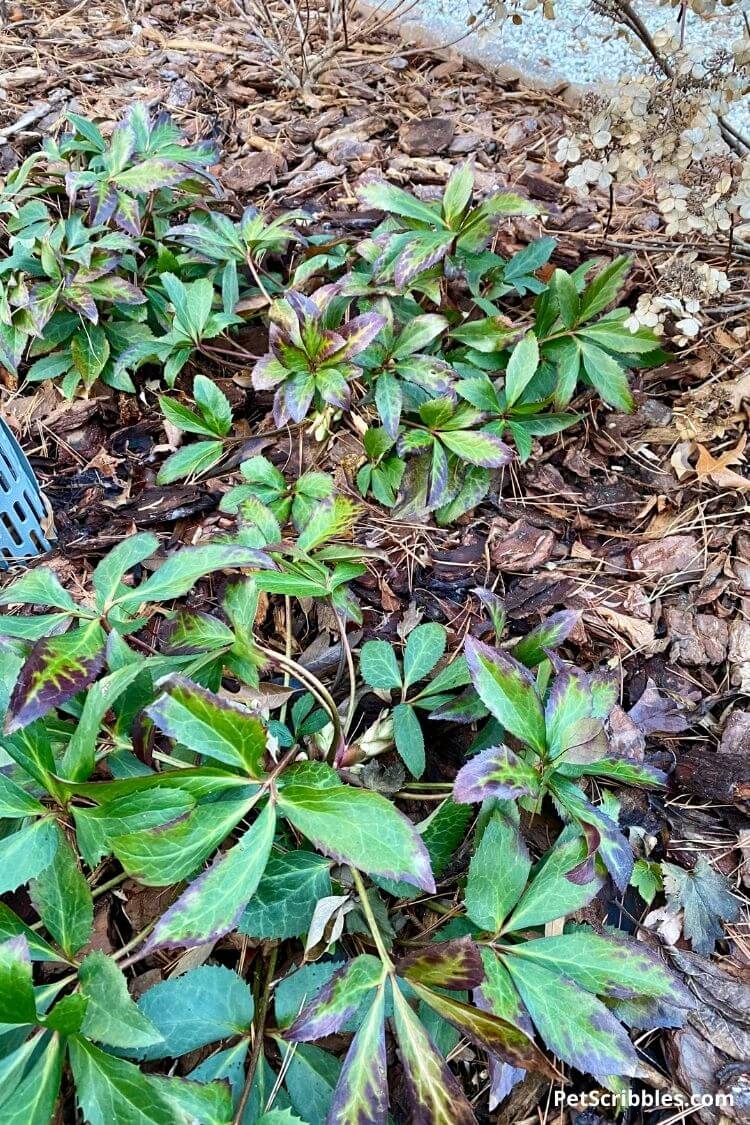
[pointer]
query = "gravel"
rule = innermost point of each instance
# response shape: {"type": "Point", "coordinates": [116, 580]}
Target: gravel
{"type": "Point", "coordinates": [577, 46]}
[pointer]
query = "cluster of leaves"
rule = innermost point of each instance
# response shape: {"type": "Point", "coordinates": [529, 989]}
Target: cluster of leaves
{"type": "Point", "coordinates": [120, 758]}
{"type": "Point", "coordinates": [170, 745]}
{"type": "Point", "coordinates": [140, 270]}
{"type": "Point", "coordinates": [96, 276]}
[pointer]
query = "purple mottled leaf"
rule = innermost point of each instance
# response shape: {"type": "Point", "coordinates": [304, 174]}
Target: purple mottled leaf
{"type": "Point", "coordinates": [298, 394]}
{"type": "Point", "coordinates": [128, 214]}
{"type": "Point", "coordinates": [81, 301]}
{"type": "Point", "coordinates": [338, 1000]}
{"type": "Point", "coordinates": [478, 447]}
{"type": "Point", "coordinates": [332, 343]}
{"type": "Point", "coordinates": [496, 772]}
{"type": "Point", "coordinates": [488, 1031]}
{"type": "Point", "coordinates": [530, 650]}
{"type": "Point", "coordinates": [455, 964]}
{"type": "Point", "coordinates": [603, 836]}
{"type": "Point", "coordinates": [434, 1093]}
{"type": "Point", "coordinates": [103, 202]}
{"type": "Point", "coordinates": [508, 690]}
{"type": "Point", "coordinates": [268, 373]}
{"type": "Point", "coordinates": [389, 401]}
{"type": "Point", "coordinates": [302, 305]}
{"type": "Point", "coordinates": [56, 669]}
{"type": "Point", "coordinates": [438, 475]}
{"type": "Point", "coordinates": [214, 902]}
{"type": "Point", "coordinates": [116, 289]}
{"type": "Point", "coordinates": [425, 250]}
{"type": "Point", "coordinates": [361, 1094]}
{"type": "Point", "coordinates": [359, 332]}
{"type": "Point", "coordinates": [589, 1037]}
{"type": "Point", "coordinates": [151, 175]}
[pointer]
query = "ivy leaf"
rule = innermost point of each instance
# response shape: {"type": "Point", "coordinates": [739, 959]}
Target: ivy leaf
{"type": "Point", "coordinates": [210, 725]}
{"type": "Point", "coordinates": [338, 1000]}
{"type": "Point", "coordinates": [507, 689]}
{"type": "Point", "coordinates": [434, 1093]}
{"type": "Point", "coordinates": [17, 1004]}
{"type": "Point", "coordinates": [359, 827]}
{"type": "Point", "coordinates": [455, 964]}
{"type": "Point", "coordinates": [589, 1037]}
{"type": "Point", "coordinates": [379, 666]}
{"type": "Point", "coordinates": [111, 1016]}
{"type": "Point", "coordinates": [213, 903]}
{"type": "Point", "coordinates": [62, 899]}
{"type": "Point", "coordinates": [26, 853]}
{"type": "Point", "coordinates": [496, 772]}
{"type": "Point", "coordinates": [704, 895]}
{"type": "Point", "coordinates": [498, 873]}
{"type": "Point", "coordinates": [284, 902]}
{"type": "Point", "coordinates": [110, 1089]}
{"type": "Point", "coordinates": [56, 669]}
{"type": "Point", "coordinates": [361, 1094]}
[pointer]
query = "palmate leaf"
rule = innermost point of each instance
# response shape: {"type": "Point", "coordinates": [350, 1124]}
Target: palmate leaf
{"type": "Point", "coordinates": [706, 899]}
{"type": "Point", "coordinates": [56, 669]}
{"type": "Point", "coordinates": [213, 904]}
{"type": "Point", "coordinates": [359, 827]}
{"type": "Point", "coordinates": [435, 1096]}
{"type": "Point", "coordinates": [361, 1094]}
{"type": "Point", "coordinates": [507, 689]}
{"type": "Point", "coordinates": [210, 725]}
{"type": "Point", "coordinates": [496, 772]}
{"type": "Point", "coordinates": [338, 1000]}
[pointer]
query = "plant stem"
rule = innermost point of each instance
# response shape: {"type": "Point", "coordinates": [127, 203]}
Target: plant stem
{"type": "Point", "coordinates": [260, 1023]}
{"type": "Point", "coordinates": [317, 689]}
{"type": "Point", "coordinates": [352, 674]}
{"type": "Point", "coordinates": [371, 922]}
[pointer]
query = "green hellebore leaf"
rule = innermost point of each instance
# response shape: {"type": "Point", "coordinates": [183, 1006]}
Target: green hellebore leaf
{"type": "Point", "coordinates": [210, 725]}
{"type": "Point", "coordinates": [213, 904]}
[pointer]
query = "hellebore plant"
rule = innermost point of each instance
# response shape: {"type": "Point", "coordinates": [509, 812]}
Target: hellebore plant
{"type": "Point", "coordinates": [312, 353]}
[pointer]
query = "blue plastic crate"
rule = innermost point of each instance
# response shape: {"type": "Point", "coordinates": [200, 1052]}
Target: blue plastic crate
{"type": "Point", "coordinates": [22, 508]}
